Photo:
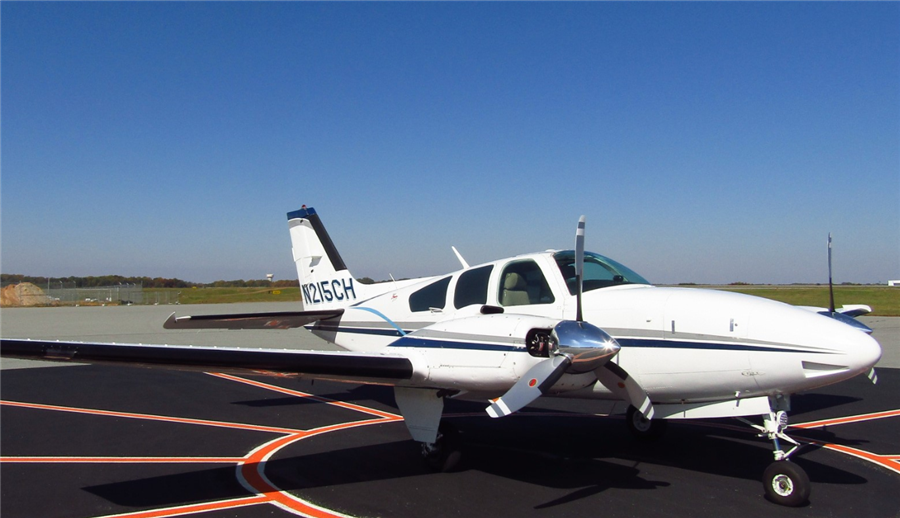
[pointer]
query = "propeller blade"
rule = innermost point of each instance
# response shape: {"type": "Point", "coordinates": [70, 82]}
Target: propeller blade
{"type": "Point", "coordinates": [873, 376]}
{"type": "Point", "coordinates": [579, 267]}
{"type": "Point", "coordinates": [830, 284]}
{"type": "Point", "coordinates": [625, 387]}
{"type": "Point", "coordinates": [531, 386]}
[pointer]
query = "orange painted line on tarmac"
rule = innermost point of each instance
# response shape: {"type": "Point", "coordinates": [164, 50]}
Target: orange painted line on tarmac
{"type": "Point", "coordinates": [885, 461]}
{"type": "Point", "coordinates": [282, 390]}
{"type": "Point", "coordinates": [252, 472]}
{"type": "Point", "coordinates": [120, 460]}
{"type": "Point", "coordinates": [151, 417]}
{"type": "Point", "coordinates": [352, 424]}
{"type": "Point", "coordinates": [847, 420]}
{"type": "Point", "coordinates": [194, 508]}
{"type": "Point", "coordinates": [252, 475]}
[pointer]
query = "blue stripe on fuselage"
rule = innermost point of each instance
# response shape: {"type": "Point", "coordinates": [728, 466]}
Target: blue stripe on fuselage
{"type": "Point", "coordinates": [412, 341]}
{"type": "Point", "coordinates": [382, 316]}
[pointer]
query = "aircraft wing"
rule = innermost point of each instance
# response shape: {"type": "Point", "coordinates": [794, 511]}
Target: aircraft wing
{"type": "Point", "coordinates": [334, 365]}
{"type": "Point", "coordinates": [272, 320]}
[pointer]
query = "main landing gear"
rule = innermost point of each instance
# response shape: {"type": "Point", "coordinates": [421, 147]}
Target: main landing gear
{"type": "Point", "coordinates": [644, 429]}
{"type": "Point", "coordinates": [785, 483]}
{"type": "Point", "coordinates": [444, 453]}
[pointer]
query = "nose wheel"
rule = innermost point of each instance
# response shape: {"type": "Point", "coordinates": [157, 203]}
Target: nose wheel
{"type": "Point", "coordinates": [785, 483]}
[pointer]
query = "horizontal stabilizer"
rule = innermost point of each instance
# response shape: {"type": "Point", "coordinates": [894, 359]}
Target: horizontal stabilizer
{"type": "Point", "coordinates": [274, 320]}
{"type": "Point", "coordinates": [320, 364]}
{"type": "Point", "coordinates": [855, 310]}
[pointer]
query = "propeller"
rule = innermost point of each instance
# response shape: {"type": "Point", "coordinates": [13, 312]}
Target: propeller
{"type": "Point", "coordinates": [830, 284]}
{"type": "Point", "coordinates": [531, 386]}
{"type": "Point", "coordinates": [577, 347]}
{"type": "Point", "coordinates": [844, 315]}
{"type": "Point", "coordinates": [579, 268]}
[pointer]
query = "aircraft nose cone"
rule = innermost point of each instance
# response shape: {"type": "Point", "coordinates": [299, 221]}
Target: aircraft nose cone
{"type": "Point", "coordinates": [865, 352]}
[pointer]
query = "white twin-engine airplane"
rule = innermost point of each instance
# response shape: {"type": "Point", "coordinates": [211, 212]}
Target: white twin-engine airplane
{"type": "Point", "coordinates": [556, 323]}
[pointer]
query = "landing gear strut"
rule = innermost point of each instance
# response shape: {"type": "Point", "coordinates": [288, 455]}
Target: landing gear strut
{"type": "Point", "coordinates": [443, 454]}
{"type": "Point", "coordinates": [644, 429]}
{"type": "Point", "coordinates": [785, 483]}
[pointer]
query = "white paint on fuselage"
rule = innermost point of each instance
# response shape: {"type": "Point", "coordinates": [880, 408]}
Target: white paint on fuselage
{"type": "Point", "coordinates": [680, 344]}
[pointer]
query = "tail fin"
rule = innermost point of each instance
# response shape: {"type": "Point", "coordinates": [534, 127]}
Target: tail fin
{"type": "Point", "coordinates": [325, 281]}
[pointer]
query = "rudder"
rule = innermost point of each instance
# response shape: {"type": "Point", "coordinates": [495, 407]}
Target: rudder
{"type": "Point", "coordinates": [325, 281]}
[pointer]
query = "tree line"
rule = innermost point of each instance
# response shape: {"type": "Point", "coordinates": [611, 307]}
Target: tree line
{"type": "Point", "coordinates": [146, 282]}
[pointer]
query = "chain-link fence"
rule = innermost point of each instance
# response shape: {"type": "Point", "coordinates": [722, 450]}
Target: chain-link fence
{"type": "Point", "coordinates": [119, 294]}
{"type": "Point", "coordinates": [68, 293]}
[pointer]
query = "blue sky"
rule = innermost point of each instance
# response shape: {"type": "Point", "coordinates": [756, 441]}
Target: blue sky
{"type": "Point", "coordinates": [705, 142]}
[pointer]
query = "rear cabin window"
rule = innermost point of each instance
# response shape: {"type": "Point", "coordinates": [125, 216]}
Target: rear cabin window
{"type": "Point", "coordinates": [433, 296]}
{"type": "Point", "coordinates": [523, 283]}
{"type": "Point", "coordinates": [472, 287]}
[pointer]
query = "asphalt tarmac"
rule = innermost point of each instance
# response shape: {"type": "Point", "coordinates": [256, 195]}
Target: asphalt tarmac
{"type": "Point", "coordinates": [90, 441]}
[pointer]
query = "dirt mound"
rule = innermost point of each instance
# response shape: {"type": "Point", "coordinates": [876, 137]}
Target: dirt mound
{"type": "Point", "coordinates": [24, 294]}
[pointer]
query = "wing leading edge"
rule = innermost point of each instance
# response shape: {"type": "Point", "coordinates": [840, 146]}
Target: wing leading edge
{"type": "Point", "coordinates": [358, 367]}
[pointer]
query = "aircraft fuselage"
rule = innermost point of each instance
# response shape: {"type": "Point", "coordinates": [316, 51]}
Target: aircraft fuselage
{"type": "Point", "coordinates": [683, 345]}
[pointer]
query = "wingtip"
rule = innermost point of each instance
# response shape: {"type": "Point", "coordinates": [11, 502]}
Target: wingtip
{"type": "Point", "coordinates": [171, 322]}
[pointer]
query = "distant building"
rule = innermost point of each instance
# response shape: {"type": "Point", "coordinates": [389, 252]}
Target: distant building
{"type": "Point", "coordinates": [894, 283]}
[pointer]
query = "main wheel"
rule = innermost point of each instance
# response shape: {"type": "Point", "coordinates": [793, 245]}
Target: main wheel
{"type": "Point", "coordinates": [644, 429]}
{"type": "Point", "coordinates": [786, 484]}
{"type": "Point", "coordinates": [443, 455]}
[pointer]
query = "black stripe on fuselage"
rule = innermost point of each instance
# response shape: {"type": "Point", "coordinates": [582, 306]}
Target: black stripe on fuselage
{"type": "Point", "coordinates": [425, 343]}
{"type": "Point", "coordinates": [710, 346]}
{"type": "Point", "coordinates": [356, 330]}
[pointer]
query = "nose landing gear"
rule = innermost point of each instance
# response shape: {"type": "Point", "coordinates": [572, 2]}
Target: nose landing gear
{"type": "Point", "coordinates": [785, 483]}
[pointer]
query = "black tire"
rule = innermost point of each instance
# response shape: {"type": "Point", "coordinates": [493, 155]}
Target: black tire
{"type": "Point", "coordinates": [644, 429]}
{"type": "Point", "coordinates": [786, 484]}
{"type": "Point", "coordinates": [443, 456]}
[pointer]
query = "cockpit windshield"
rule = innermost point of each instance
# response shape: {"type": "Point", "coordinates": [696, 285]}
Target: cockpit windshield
{"type": "Point", "coordinates": [599, 271]}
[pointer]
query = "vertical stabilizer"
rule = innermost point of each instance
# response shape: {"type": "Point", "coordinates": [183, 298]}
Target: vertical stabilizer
{"type": "Point", "coordinates": [325, 281]}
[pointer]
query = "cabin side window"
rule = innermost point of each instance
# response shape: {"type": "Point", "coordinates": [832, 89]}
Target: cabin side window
{"type": "Point", "coordinates": [523, 283]}
{"type": "Point", "coordinates": [433, 296]}
{"type": "Point", "coordinates": [472, 287]}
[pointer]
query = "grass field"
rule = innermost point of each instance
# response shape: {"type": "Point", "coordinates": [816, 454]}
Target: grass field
{"type": "Point", "coordinates": [223, 295]}
{"type": "Point", "coordinates": [884, 301]}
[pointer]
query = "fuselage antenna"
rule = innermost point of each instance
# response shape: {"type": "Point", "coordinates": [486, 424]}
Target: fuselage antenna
{"type": "Point", "coordinates": [460, 257]}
